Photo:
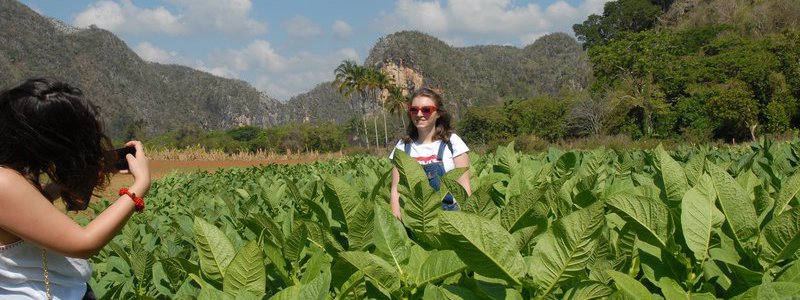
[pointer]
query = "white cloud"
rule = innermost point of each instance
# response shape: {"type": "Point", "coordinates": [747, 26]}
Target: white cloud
{"type": "Point", "coordinates": [349, 53]}
{"type": "Point", "coordinates": [226, 16]}
{"type": "Point", "coordinates": [342, 30]}
{"type": "Point", "coordinates": [257, 55]}
{"type": "Point", "coordinates": [279, 76]}
{"type": "Point", "coordinates": [476, 21]}
{"type": "Point", "coordinates": [193, 17]}
{"type": "Point", "coordinates": [302, 27]}
{"type": "Point", "coordinates": [104, 14]}
{"type": "Point", "coordinates": [149, 52]}
{"type": "Point", "coordinates": [530, 38]}
{"type": "Point", "coordinates": [220, 71]}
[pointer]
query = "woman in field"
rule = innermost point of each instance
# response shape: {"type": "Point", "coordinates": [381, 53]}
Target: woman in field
{"type": "Point", "coordinates": [431, 141]}
{"type": "Point", "coordinates": [50, 130]}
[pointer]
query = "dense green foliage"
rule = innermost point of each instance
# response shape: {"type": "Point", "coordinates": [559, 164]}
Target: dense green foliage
{"type": "Point", "coordinates": [542, 116]}
{"type": "Point", "coordinates": [619, 17]}
{"type": "Point", "coordinates": [696, 223]}
{"type": "Point", "coordinates": [702, 79]}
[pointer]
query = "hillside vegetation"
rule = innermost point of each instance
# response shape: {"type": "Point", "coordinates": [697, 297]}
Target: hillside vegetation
{"type": "Point", "coordinates": [670, 70]}
{"type": "Point", "coordinates": [480, 75]}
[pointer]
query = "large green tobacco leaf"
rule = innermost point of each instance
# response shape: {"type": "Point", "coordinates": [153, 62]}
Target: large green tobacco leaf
{"type": "Point", "coordinates": [694, 168]}
{"type": "Point", "coordinates": [316, 207]}
{"type": "Point", "coordinates": [141, 264]}
{"type": "Point", "coordinates": [790, 273]}
{"type": "Point", "coordinates": [374, 267]}
{"type": "Point", "coordinates": [352, 210]}
{"type": "Point", "coordinates": [213, 248]}
{"type": "Point", "coordinates": [411, 172]}
{"type": "Point", "coordinates": [566, 248]}
{"type": "Point", "coordinates": [246, 271]}
{"type": "Point", "coordinates": [489, 288]}
{"type": "Point", "coordinates": [438, 266]}
{"type": "Point", "coordinates": [697, 218]}
{"type": "Point", "coordinates": [344, 200]}
{"type": "Point", "coordinates": [315, 265]}
{"type": "Point", "coordinates": [484, 246]}
{"type": "Point", "coordinates": [322, 237]}
{"type": "Point", "coordinates": [672, 290]}
{"type": "Point", "coordinates": [588, 290]}
{"type": "Point", "coordinates": [647, 213]}
{"type": "Point", "coordinates": [780, 238]}
{"type": "Point", "coordinates": [520, 210]}
{"type": "Point", "coordinates": [739, 211]}
{"type": "Point", "coordinates": [566, 164]}
{"type": "Point", "coordinates": [629, 286]}
{"type": "Point", "coordinates": [517, 184]}
{"type": "Point", "coordinates": [275, 256]}
{"type": "Point", "coordinates": [317, 289]}
{"type": "Point", "coordinates": [770, 291]}
{"type": "Point", "coordinates": [672, 175]}
{"type": "Point", "coordinates": [507, 160]}
{"type": "Point", "coordinates": [433, 292]}
{"type": "Point", "coordinates": [210, 293]}
{"type": "Point", "coordinates": [295, 244]}
{"type": "Point", "coordinates": [481, 203]}
{"type": "Point", "coordinates": [177, 269]}
{"type": "Point", "coordinates": [450, 181]}
{"type": "Point", "coordinates": [390, 239]}
{"type": "Point", "coordinates": [789, 190]}
{"type": "Point", "coordinates": [423, 208]}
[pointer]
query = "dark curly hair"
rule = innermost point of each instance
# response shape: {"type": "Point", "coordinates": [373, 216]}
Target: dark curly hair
{"type": "Point", "coordinates": [443, 129]}
{"type": "Point", "coordinates": [48, 127]}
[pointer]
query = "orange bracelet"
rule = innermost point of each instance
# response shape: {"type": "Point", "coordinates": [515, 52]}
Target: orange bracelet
{"type": "Point", "coordinates": [138, 202]}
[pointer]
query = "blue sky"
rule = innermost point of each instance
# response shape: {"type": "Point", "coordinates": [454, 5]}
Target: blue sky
{"type": "Point", "coordinates": [287, 47]}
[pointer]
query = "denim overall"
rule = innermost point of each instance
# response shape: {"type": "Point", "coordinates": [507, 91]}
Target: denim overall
{"type": "Point", "coordinates": [434, 171]}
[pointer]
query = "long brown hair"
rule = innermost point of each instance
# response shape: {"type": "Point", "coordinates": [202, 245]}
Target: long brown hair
{"type": "Point", "coordinates": [443, 129]}
{"type": "Point", "coordinates": [49, 127]}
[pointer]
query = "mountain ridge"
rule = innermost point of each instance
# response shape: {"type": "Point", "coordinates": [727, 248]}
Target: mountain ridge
{"type": "Point", "coordinates": [129, 90]}
{"type": "Point", "coordinates": [136, 95]}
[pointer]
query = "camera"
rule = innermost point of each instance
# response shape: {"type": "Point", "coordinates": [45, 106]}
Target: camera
{"type": "Point", "coordinates": [120, 162]}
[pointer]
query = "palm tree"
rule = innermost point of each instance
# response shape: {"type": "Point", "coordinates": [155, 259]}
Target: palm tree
{"type": "Point", "coordinates": [369, 84]}
{"type": "Point", "coordinates": [350, 77]}
{"type": "Point", "coordinates": [396, 103]}
{"type": "Point", "coordinates": [379, 82]}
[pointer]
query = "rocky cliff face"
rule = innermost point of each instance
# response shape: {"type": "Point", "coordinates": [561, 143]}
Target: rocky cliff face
{"type": "Point", "coordinates": [404, 77]}
{"type": "Point", "coordinates": [482, 75]}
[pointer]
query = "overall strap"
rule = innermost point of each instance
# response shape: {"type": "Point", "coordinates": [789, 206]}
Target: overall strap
{"type": "Point", "coordinates": [407, 148]}
{"type": "Point", "coordinates": [440, 155]}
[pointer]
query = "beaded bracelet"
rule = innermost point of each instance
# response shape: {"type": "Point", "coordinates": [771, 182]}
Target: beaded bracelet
{"type": "Point", "coordinates": [138, 202]}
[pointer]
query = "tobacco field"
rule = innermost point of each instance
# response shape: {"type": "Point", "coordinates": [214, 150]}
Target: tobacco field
{"type": "Point", "coordinates": [692, 223]}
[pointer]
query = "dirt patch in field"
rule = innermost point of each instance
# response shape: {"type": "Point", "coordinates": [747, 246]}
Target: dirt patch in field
{"type": "Point", "coordinates": [161, 168]}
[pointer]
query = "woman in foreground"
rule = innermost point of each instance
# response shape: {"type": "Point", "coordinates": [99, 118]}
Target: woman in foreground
{"type": "Point", "coordinates": [50, 131]}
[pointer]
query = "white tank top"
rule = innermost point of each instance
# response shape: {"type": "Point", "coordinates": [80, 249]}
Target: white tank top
{"type": "Point", "coordinates": [22, 273]}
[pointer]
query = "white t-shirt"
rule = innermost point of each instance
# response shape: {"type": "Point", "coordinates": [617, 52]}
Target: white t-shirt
{"type": "Point", "coordinates": [426, 153]}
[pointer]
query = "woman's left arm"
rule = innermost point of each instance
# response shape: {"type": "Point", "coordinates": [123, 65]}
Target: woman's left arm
{"type": "Point", "coordinates": [462, 161]}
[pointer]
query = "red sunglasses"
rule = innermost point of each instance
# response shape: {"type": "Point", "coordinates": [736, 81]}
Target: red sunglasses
{"type": "Point", "coordinates": [427, 111]}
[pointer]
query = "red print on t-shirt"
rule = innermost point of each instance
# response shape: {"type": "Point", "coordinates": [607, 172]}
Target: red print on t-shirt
{"type": "Point", "coordinates": [427, 159]}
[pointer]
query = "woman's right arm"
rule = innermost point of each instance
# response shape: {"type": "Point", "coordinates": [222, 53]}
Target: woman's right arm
{"type": "Point", "coordinates": [28, 215]}
{"type": "Point", "coordinates": [394, 195]}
